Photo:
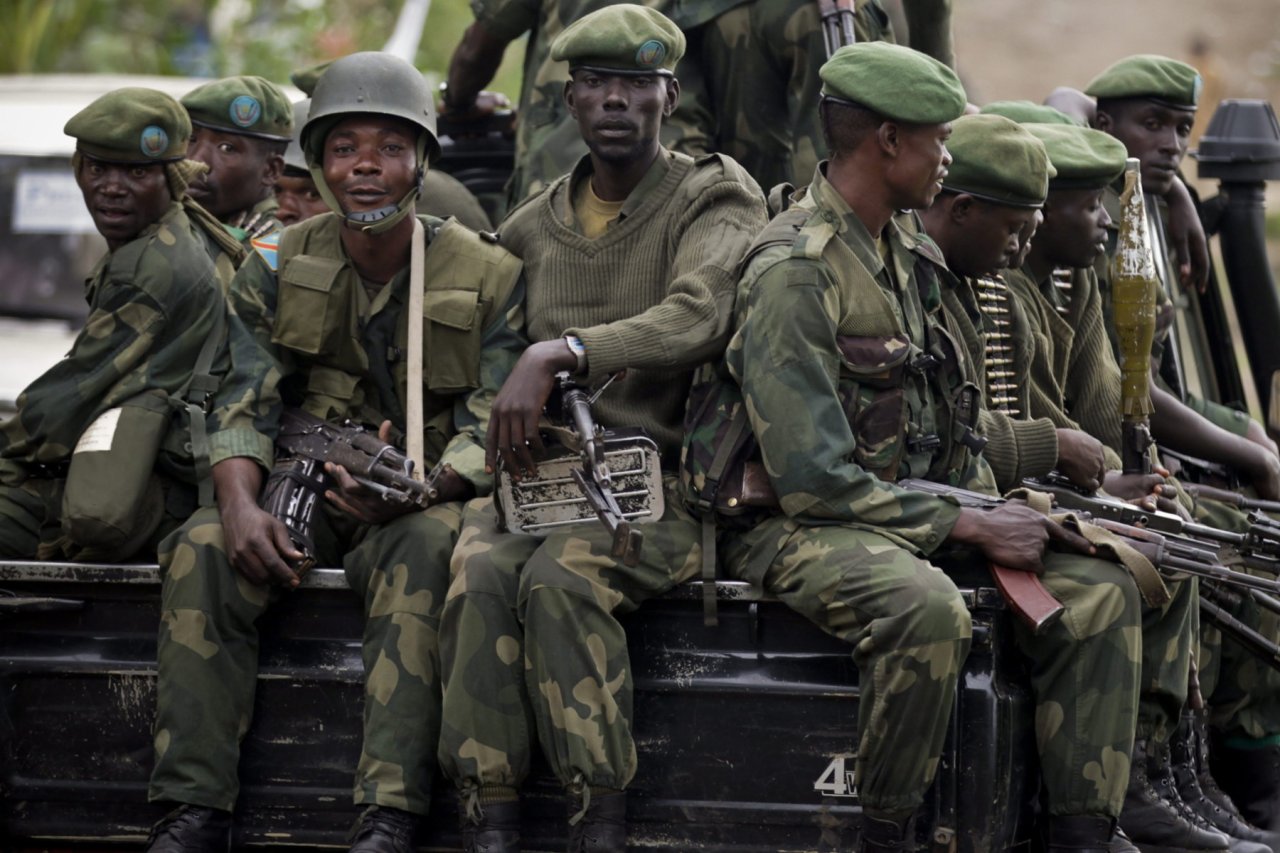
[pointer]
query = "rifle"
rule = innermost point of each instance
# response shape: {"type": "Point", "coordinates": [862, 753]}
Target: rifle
{"type": "Point", "coordinates": [613, 475]}
{"type": "Point", "coordinates": [1214, 604]}
{"type": "Point", "coordinates": [837, 24]}
{"type": "Point", "coordinates": [305, 443]}
{"type": "Point", "coordinates": [1234, 499]}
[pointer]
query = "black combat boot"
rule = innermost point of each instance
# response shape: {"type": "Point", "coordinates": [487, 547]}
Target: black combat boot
{"type": "Point", "coordinates": [1080, 834]}
{"type": "Point", "coordinates": [191, 829]}
{"type": "Point", "coordinates": [887, 836]}
{"type": "Point", "coordinates": [1251, 778]}
{"type": "Point", "coordinates": [1120, 843]}
{"type": "Point", "coordinates": [1184, 762]}
{"type": "Point", "coordinates": [382, 829]}
{"type": "Point", "coordinates": [1160, 772]}
{"type": "Point", "coordinates": [1154, 825]}
{"type": "Point", "coordinates": [597, 822]}
{"type": "Point", "coordinates": [1217, 796]}
{"type": "Point", "coordinates": [494, 829]}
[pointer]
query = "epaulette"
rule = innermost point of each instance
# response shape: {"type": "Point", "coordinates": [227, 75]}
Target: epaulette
{"type": "Point", "coordinates": [268, 248]}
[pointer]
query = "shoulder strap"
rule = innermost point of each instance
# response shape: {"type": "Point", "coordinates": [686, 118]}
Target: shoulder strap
{"type": "Point", "coordinates": [196, 395]}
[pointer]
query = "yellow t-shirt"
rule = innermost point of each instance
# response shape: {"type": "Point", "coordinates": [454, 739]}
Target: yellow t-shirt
{"type": "Point", "coordinates": [594, 213]}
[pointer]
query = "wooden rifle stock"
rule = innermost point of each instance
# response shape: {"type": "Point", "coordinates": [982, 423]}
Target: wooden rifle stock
{"type": "Point", "coordinates": [1028, 597]}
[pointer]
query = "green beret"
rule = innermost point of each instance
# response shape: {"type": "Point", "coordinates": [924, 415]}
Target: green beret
{"type": "Point", "coordinates": [1028, 112]}
{"type": "Point", "coordinates": [621, 39]}
{"type": "Point", "coordinates": [1085, 158]}
{"type": "Point", "coordinates": [995, 159]}
{"type": "Point", "coordinates": [250, 106]}
{"type": "Point", "coordinates": [896, 82]}
{"type": "Point", "coordinates": [1155, 78]}
{"type": "Point", "coordinates": [132, 126]}
{"type": "Point", "coordinates": [306, 78]}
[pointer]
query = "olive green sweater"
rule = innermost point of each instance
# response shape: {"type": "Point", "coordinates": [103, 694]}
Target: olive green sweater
{"type": "Point", "coordinates": [1075, 381]}
{"type": "Point", "coordinates": [654, 294]}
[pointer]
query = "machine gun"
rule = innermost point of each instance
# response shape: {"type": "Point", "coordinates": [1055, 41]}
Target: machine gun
{"type": "Point", "coordinates": [305, 443]}
{"type": "Point", "coordinates": [613, 475]}
{"type": "Point", "coordinates": [837, 24]}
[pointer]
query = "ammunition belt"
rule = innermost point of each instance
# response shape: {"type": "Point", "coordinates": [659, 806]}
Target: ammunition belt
{"type": "Point", "coordinates": [996, 306]}
{"type": "Point", "coordinates": [1061, 277]}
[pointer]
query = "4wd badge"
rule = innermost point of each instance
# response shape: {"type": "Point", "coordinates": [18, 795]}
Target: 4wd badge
{"type": "Point", "coordinates": [836, 781]}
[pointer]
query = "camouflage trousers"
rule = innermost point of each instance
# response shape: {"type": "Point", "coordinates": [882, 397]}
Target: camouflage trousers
{"type": "Point", "coordinates": [910, 633]}
{"type": "Point", "coordinates": [208, 655]}
{"type": "Point", "coordinates": [1241, 691]}
{"type": "Point", "coordinates": [530, 640]}
{"type": "Point", "coordinates": [1167, 642]}
{"type": "Point", "coordinates": [760, 63]}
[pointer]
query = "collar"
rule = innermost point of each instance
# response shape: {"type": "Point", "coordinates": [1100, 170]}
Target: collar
{"type": "Point", "coordinates": [562, 203]}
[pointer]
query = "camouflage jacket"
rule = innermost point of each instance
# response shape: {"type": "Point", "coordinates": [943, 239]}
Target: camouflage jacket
{"type": "Point", "coordinates": [850, 380]}
{"type": "Point", "coordinates": [317, 338]}
{"type": "Point", "coordinates": [152, 304]}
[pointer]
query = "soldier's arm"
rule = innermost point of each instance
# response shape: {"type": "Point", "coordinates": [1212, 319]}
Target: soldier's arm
{"type": "Point", "coordinates": [786, 360]}
{"type": "Point", "coordinates": [500, 348]}
{"type": "Point", "coordinates": [929, 29]}
{"type": "Point", "coordinates": [476, 58]}
{"type": "Point", "coordinates": [246, 410]}
{"type": "Point", "coordinates": [692, 323]}
{"type": "Point", "coordinates": [1093, 378]}
{"type": "Point", "coordinates": [109, 362]}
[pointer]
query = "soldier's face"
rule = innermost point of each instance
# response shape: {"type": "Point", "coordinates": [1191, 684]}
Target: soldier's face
{"type": "Point", "coordinates": [369, 162]}
{"type": "Point", "coordinates": [123, 199]}
{"type": "Point", "coordinates": [920, 162]}
{"type": "Point", "coordinates": [992, 236]}
{"type": "Point", "coordinates": [1156, 134]}
{"type": "Point", "coordinates": [620, 115]}
{"type": "Point", "coordinates": [298, 199]}
{"type": "Point", "coordinates": [242, 171]}
{"type": "Point", "coordinates": [1074, 232]}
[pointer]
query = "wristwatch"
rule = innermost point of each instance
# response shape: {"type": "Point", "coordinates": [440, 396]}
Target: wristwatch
{"type": "Point", "coordinates": [579, 350]}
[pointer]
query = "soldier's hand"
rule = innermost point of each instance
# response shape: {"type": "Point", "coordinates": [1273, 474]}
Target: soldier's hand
{"type": "Point", "coordinates": [1014, 535]}
{"type": "Point", "coordinates": [1139, 489]}
{"type": "Point", "coordinates": [513, 424]}
{"type": "Point", "coordinates": [258, 544]}
{"type": "Point", "coordinates": [1080, 459]}
{"type": "Point", "coordinates": [1264, 474]}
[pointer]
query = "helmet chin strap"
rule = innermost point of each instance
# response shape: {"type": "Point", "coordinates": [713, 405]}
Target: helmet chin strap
{"type": "Point", "coordinates": [384, 218]}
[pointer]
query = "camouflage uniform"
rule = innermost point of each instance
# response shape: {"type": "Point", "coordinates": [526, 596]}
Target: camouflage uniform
{"type": "Point", "coordinates": [827, 356]}
{"type": "Point", "coordinates": [530, 635]}
{"type": "Point", "coordinates": [337, 352]}
{"type": "Point", "coordinates": [152, 304]}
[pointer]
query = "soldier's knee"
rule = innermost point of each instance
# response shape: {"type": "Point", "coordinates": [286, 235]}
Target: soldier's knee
{"type": "Point", "coordinates": [930, 611]}
{"type": "Point", "coordinates": [481, 576]}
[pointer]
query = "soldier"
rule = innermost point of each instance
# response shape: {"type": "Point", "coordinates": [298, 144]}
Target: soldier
{"type": "Point", "coordinates": [850, 383]}
{"type": "Point", "coordinates": [242, 127]}
{"type": "Point", "coordinates": [1149, 103]}
{"type": "Point", "coordinates": [337, 351]}
{"type": "Point", "coordinates": [442, 194]}
{"type": "Point", "coordinates": [296, 195]}
{"type": "Point", "coordinates": [630, 260]}
{"type": "Point", "coordinates": [116, 407]}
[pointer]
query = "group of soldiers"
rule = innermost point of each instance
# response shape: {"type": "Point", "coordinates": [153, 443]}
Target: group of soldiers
{"type": "Point", "coordinates": [844, 331]}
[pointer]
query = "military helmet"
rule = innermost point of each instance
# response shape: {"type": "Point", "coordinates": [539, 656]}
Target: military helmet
{"type": "Point", "coordinates": [293, 157]}
{"type": "Point", "coordinates": [370, 82]}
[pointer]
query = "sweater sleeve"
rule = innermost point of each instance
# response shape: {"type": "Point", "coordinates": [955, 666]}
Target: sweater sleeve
{"type": "Point", "coordinates": [692, 323]}
{"type": "Point", "coordinates": [1093, 377]}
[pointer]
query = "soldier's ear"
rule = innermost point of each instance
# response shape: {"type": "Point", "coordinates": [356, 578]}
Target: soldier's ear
{"type": "Point", "coordinates": [272, 169]}
{"type": "Point", "coordinates": [673, 96]}
{"type": "Point", "coordinates": [1103, 121]}
{"type": "Point", "coordinates": [887, 136]}
{"type": "Point", "coordinates": [962, 205]}
{"type": "Point", "coordinates": [568, 98]}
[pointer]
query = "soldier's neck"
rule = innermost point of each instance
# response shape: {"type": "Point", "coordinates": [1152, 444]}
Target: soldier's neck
{"type": "Point", "coordinates": [861, 190]}
{"type": "Point", "coordinates": [378, 257]}
{"type": "Point", "coordinates": [613, 180]}
{"type": "Point", "coordinates": [1039, 265]}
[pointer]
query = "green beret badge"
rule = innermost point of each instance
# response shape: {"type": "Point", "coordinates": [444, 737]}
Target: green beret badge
{"type": "Point", "coordinates": [245, 111]}
{"type": "Point", "coordinates": [153, 140]}
{"type": "Point", "coordinates": [650, 54]}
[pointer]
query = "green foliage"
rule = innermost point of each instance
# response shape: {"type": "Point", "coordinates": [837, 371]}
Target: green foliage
{"type": "Point", "coordinates": [215, 38]}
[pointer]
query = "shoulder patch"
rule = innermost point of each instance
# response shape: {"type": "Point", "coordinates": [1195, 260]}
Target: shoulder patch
{"type": "Point", "coordinates": [268, 248]}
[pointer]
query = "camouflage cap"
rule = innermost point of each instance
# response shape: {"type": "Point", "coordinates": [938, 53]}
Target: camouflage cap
{"type": "Point", "coordinates": [250, 106]}
{"type": "Point", "coordinates": [1151, 77]}
{"type": "Point", "coordinates": [306, 78]}
{"type": "Point", "coordinates": [1028, 112]}
{"type": "Point", "coordinates": [896, 82]}
{"type": "Point", "coordinates": [1085, 158]}
{"type": "Point", "coordinates": [621, 39]}
{"type": "Point", "coordinates": [130, 126]}
{"type": "Point", "coordinates": [995, 159]}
